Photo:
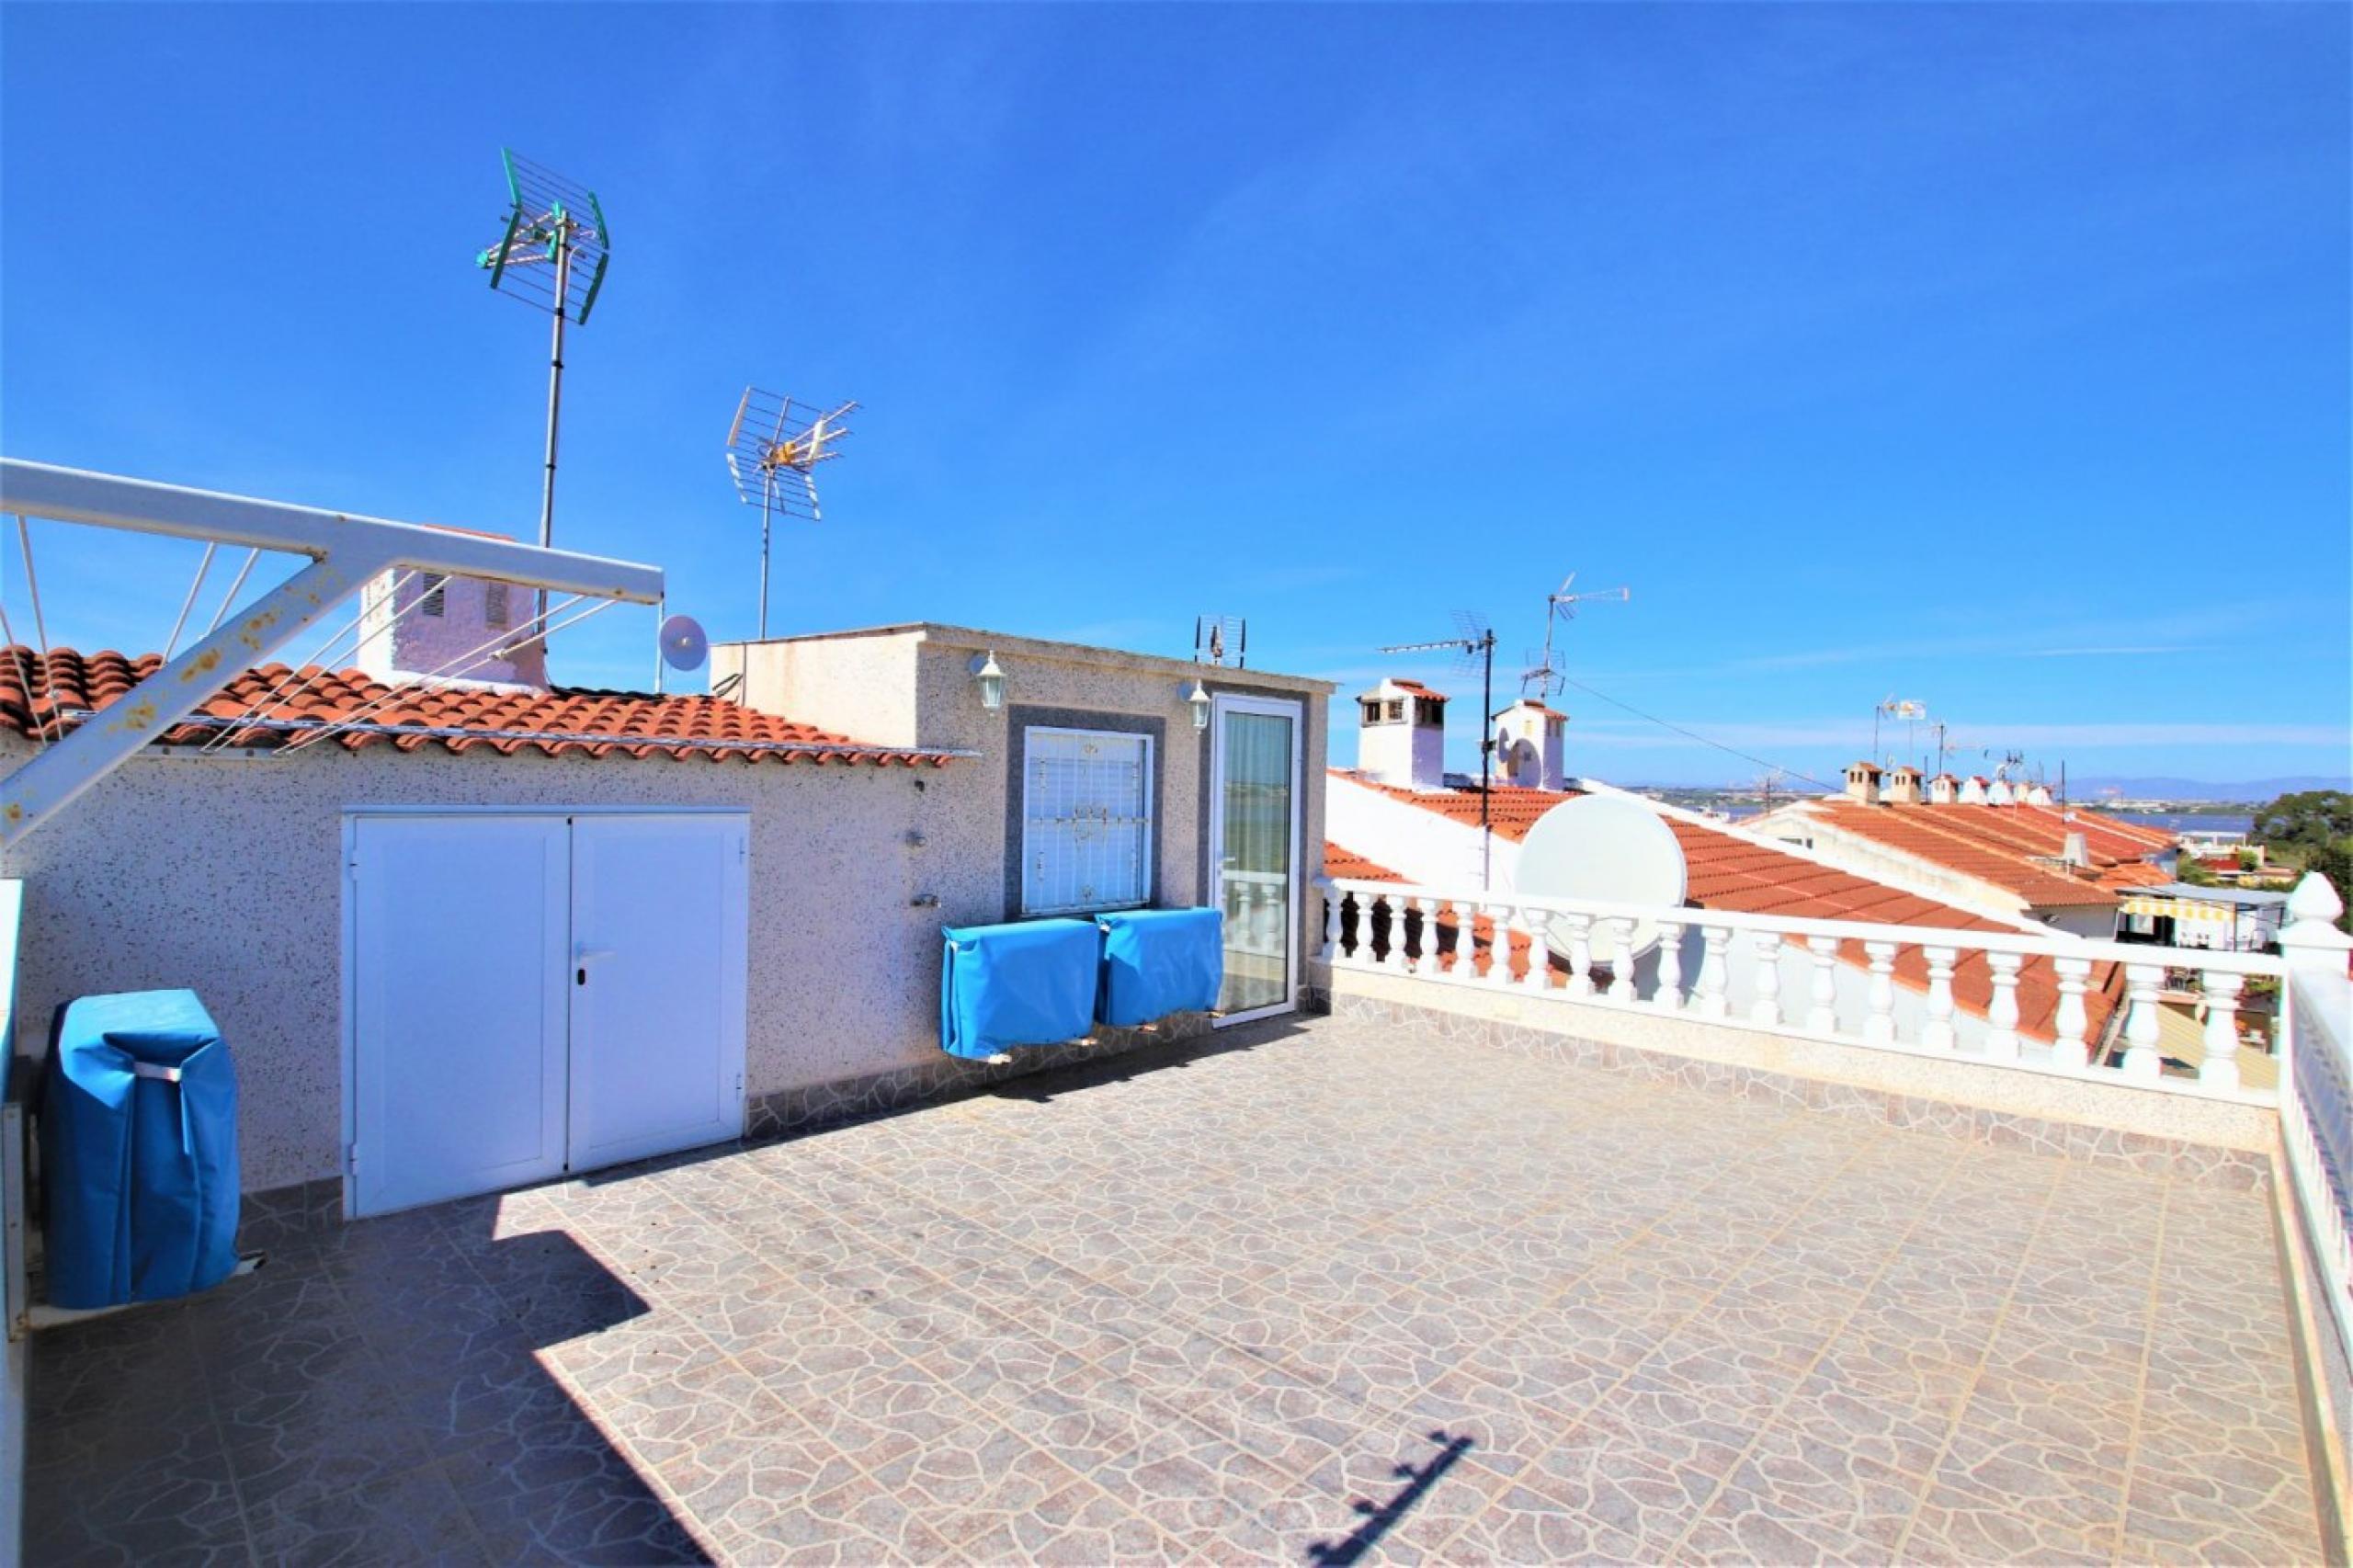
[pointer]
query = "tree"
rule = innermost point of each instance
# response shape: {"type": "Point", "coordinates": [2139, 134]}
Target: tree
{"type": "Point", "coordinates": [2335, 861]}
{"type": "Point", "coordinates": [2309, 819]}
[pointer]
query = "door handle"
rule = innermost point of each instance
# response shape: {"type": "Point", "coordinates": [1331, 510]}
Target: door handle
{"type": "Point", "coordinates": [582, 955]}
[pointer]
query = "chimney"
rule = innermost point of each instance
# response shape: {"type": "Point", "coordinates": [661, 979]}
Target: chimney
{"type": "Point", "coordinates": [2076, 851]}
{"type": "Point", "coordinates": [1943, 789]}
{"type": "Point", "coordinates": [2037, 796]}
{"type": "Point", "coordinates": [1863, 782]}
{"type": "Point", "coordinates": [454, 625]}
{"type": "Point", "coordinates": [2000, 795]}
{"type": "Point", "coordinates": [1904, 787]}
{"type": "Point", "coordinates": [1973, 790]}
{"type": "Point", "coordinates": [1528, 747]}
{"type": "Point", "coordinates": [1401, 736]}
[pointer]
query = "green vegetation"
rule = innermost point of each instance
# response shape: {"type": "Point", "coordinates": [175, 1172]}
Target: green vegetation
{"type": "Point", "coordinates": [2312, 831]}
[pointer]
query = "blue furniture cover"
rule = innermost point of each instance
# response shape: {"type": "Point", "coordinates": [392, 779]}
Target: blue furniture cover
{"type": "Point", "coordinates": [1158, 961]}
{"type": "Point", "coordinates": [139, 1151]}
{"type": "Point", "coordinates": [1031, 983]}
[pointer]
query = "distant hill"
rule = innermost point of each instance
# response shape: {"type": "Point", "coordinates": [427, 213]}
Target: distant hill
{"type": "Point", "coordinates": [2253, 789]}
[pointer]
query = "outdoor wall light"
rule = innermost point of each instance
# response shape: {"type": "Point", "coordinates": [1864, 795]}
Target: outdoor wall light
{"type": "Point", "coordinates": [1198, 700]}
{"type": "Point", "coordinates": [989, 675]}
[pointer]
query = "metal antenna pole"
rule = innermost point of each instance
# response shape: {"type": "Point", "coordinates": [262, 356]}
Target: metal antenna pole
{"type": "Point", "coordinates": [1486, 760]}
{"type": "Point", "coordinates": [767, 514]}
{"type": "Point", "coordinates": [555, 403]}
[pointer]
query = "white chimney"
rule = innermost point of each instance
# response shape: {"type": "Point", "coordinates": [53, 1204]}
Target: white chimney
{"type": "Point", "coordinates": [2037, 796]}
{"type": "Point", "coordinates": [448, 628]}
{"type": "Point", "coordinates": [1401, 736]}
{"type": "Point", "coordinates": [1943, 789]}
{"type": "Point", "coordinates": [1973, 790]}
{"type": "Point", "coordinates": [1904, 787]}
{"type": "Point", "coordinates": [2076, 851]}
{"type": "Point", "coordinates": [1528, 747]}
{"type": "Point", "coordinates": [1863, 782]}
{"type": "Point", "coordinates": [2000, 795]}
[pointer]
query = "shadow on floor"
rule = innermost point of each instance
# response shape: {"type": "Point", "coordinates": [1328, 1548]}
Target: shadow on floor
{"type": "Point", "coordinates": [1380, 1518]}
{"type": "Point", "coordinates": [373, 1394]}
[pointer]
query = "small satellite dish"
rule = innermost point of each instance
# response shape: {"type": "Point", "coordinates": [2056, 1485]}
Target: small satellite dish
{"type": "Point", "coordinates": [1610, 848]}
{"type": "Point", "coordinates": [683, 646]}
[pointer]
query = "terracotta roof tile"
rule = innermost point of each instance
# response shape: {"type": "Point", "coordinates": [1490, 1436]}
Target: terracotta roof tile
{"type": "Point", "coordinates": [1348, 863]}
{"type": "Point", "coordinates": [2011, 848]}
{"type": "Point", "coordinates": [556, 723]}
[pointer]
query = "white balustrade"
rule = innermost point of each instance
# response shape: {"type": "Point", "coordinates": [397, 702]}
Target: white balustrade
{"type": "Point", "coordinates": [1499, 944]}
{"type": "Point", "coordinates": [1426, 958]}
{"type": "Point", "coordinates": [1822, 1015]}
{"type": "Point", "coordinates": [1539, 976]}
{"type": "Point", "coordinates": [2071, 1050]}
{"type": "Point", "coordinates": [2141, 1058]}
{"type": "Point", "coordinates": [1766, 1006]}
{"type": "Point", "coordinates": [1937, 1032]}
{"type": "Point", "coordinates": [1879, 1016]}
{"type": "Point", "coordinates": [1715, 973]}
{"type": "Point", "coordinates": [1580, 929]}
{"type": "Point", "coordinates": [2221, 1066]}
{"type": "Point", "coordinates": [1621, 958]}
{"type": "Point", "coordinates": [1668, 996]}
{"type": "Point", "coordinates": [1466, 943]}
{"type": "Point", "coordinates": [1330, 951]}
{"type": "Point", "coordinates": [2002, 1010]}
{"type": "Point", "coordinates": [1395, 904]}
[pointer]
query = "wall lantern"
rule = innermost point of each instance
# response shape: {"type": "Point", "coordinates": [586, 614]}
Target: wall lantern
{"type": "Point", "coordinates": [989, 675]}
{"type": "Point", "coordinates": [1198, 700]}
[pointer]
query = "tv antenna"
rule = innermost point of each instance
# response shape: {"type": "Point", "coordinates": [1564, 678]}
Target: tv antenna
{"type": "Point", "coordinates": [1475, 643]}
{"type": "Point", "coordinates": [1893, 707]}
{"type": "Point", "coordinates": [552, 256]}
{"type": "Point", "coordinates": [1561, 605]}
{"type": "Point", "coordinates": [1217, 636]}
{"type": "Point", "coordinates": [773, 450]}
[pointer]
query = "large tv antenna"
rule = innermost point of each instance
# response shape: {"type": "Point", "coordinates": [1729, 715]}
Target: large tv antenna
{"type": "Point", "coordinates": [1476, 641]}
{"type": "Point", "coordinates": [1910, 710]}
{"type": "Point", "coordinates": [1560, 604]}
{"type": "Point", "coordinates": [773, 450]}
{"type": "Point", "coordinates": [1217, 638]}
{"type": "Point", "coordinates": [552, 256]}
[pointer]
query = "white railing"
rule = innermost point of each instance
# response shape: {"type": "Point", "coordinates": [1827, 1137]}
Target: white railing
{"type": "Point", "coordinates": [1899, 987]}
{"type": "Point", "coordinates": [2316, 1090]}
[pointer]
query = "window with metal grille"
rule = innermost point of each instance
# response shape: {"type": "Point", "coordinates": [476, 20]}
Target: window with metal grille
{"type": "Point", "coordinates": [435, 585]}
{"type": "Point", "coordinates": [494, 603]}
{"type": "Point", "coordinates": [1086, 819]}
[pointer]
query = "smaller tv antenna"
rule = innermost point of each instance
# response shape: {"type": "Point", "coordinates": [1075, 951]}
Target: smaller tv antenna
{"type": "Point", "coordinates": [552, 256]}
{"type": "Point", "coordinates": [773, 450]}
{"type": "Point", "coordinates": [1476, 641]}
{"type": "Point", "coordinates": [1217, 638]}
{"type": "Point", "coordinates": [1892, 707]}
{"type": "Point", "coordinates": [1545, 677]}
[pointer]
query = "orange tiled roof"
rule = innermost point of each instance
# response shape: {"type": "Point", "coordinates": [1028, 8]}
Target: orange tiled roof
{"type": "Point", "coordinates": [1340, 862]}
{"type": "Point", "coordinates": [564, 720]}
{"type": "Point", "coordinates": [2009, 847]}
{"type": "Point", "coordinates": [1726, 871]}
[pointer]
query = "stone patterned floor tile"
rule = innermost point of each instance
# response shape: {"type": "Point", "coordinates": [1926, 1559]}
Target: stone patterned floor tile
{"type": "Point", "coordinates": [414, 1516]}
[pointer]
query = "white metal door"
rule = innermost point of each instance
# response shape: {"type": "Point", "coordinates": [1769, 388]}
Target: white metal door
{"type": "Point", "coordinates": [460, 929]}
{"type": "Point", "coordinates": [659, 926]}
{"type": "Point", "coordinates": [1253, 848]}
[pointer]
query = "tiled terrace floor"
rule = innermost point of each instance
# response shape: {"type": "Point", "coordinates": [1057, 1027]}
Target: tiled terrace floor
{"type": "Point", "coordinates": [1213, 1310]}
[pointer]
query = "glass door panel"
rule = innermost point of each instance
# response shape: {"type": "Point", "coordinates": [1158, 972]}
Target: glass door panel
{"type": "Point", "coordinates": [1254, 840]}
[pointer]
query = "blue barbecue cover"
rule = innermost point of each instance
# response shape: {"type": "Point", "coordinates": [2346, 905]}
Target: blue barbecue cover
{"type": "Point", "coordinates": [1158, 961]}
{"type": "Point", "coordinates": [1031, 983]}
{"type": "Point", "coordinates": [139, 1151]}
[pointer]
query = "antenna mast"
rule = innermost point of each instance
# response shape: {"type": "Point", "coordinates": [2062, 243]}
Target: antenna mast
{"type": "Point", "coordinates": [553, 255]}
{"type": "Point", "coordinates": [1561, 605]}
{"type": "Point", "coordinates": [773, 450]}
{"type": "Point", "coordinates": [1477, 641]}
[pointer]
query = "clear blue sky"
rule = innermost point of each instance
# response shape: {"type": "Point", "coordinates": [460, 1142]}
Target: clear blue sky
{"type": "Point", "coordinates": [1995, 357]}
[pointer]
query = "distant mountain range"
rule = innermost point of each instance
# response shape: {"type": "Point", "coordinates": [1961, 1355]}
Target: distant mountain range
{"type": "Point", "coordinates": [2255, 790]}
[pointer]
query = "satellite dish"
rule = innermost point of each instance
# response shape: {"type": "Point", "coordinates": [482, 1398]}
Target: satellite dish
{"type": "Point", "coordinates": [683, 646]}
{"type": "Point", "coordinates": [1609, 848]}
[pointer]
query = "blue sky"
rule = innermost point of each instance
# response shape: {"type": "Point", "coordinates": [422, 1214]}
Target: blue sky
{"type": "Point", "coordinates": [1995, 356]}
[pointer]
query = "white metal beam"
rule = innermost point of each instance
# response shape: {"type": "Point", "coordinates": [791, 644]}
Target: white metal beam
{"type": "Point", "coordinates": [345, 551]}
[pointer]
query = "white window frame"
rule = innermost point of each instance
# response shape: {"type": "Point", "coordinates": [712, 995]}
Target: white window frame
{"type": "Point", "coordinates": [1149, 813]}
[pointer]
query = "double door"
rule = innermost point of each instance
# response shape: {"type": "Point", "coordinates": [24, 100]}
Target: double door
{"type": "Point", "coordinates": [533, 993]}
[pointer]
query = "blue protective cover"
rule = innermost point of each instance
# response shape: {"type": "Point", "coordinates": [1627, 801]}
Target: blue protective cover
{"type": "Point", "coordinates": [1031, 983]}
{"type": "Point", "coordinates": [140, 1172]}
{"type": "Point", "coordinates": [1158, 961]}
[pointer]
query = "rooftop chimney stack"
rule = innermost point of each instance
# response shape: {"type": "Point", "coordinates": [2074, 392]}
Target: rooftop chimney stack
{"type": "Point", "coordinates": [2076, 851]}
{"type": "Point", "coordinates": [1904, 787]}
{"type": "Point", "coordinates": [2000, 794]}
{"type": "Point", "coordinates": [1528, 747]}
{"type": "Point", "coordinates": [1863, 782]}
{"type": "Point", "coordinates": [1973, 790]}
{"type": "Point", "coordinates": [1401, 737]}
{"type": "Point", "coordinates": [1943, 789]}
{"type": "Point", "coordinates": [414, 624]}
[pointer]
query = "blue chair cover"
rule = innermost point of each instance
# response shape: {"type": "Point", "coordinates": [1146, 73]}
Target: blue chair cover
{"type": "Point", "coordinates": [1158, 961]}
{"type": "Point", "coordinates": [1031, 983]}
{"type": "Point", "coordinates": [139, 1151]}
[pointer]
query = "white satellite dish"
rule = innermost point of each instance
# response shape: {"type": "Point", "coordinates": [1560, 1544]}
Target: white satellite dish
{"type": "Point", "coordinates": [683, 646]}
{"type": "Point", "coordinates": [1608, 848]}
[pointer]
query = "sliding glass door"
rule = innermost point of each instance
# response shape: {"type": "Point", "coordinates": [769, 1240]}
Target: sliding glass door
{"type": "Point", "coordinates": [1253, 850]}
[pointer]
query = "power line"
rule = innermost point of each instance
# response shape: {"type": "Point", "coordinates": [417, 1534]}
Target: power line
{"type": "Point", "coordinates": [1695, 735]}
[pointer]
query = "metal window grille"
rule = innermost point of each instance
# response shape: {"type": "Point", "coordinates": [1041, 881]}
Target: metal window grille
{"type": "Point", "coordinates": [1086, 828]}
{"type": "Point", "coordinates": [494, 603]}
{"type": "Point", "coordinates": [435, 586]}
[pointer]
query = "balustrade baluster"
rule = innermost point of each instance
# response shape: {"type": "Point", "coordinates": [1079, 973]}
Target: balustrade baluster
{"type": "Point", "coordinates": [2001, 1012]}
{"type": "Point", "coordinates": [2069, 1022]}
{"type": "Point", "coordinates": [2221, 1067]}
{"type": "Point", "coordinates": [1466, 943]}
{"type": "Point", "coordinates": [1767, 1007]}
{"type": "Point", "coordinates": [1395, 904]}
{"type": "Point", "coordinates": [1935, 1029]}
{"type": "Point", "coordinates": [1331, 952]}
{"type": "Point", "coordinates": [1821, 1017]}
{"type": "Point", "coordinates": [1878, 1016]}
{"type": "Point", "coordinates": [1426, 958]}
{"type": "Point", "coordinates": [1714, 997]}
{"type": "Point", "coordinates": [1668, 997]}
{"type": "Point", "coordinates": [1540, 949]}
{"type": "Point", "coordinates": [1621, 959]}
{"type": "Point", "coordinates": [2141, 1058]}
{"type": "Point", "coordinates": [1580, 954]}
{"type": "Point", "coordinates": [1499, 918]}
